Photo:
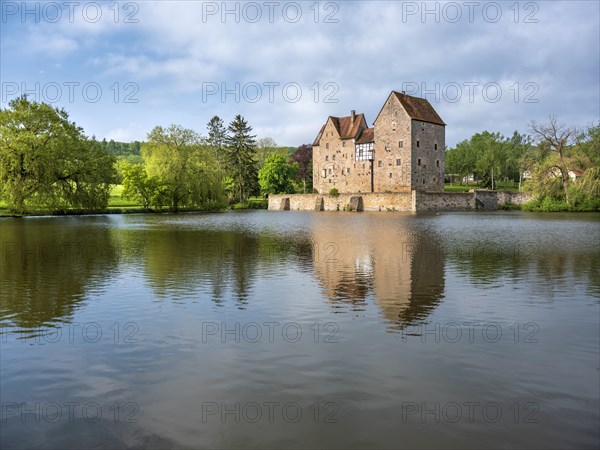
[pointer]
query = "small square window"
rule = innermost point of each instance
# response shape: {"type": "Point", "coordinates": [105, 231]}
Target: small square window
{"type": "Point", "coordinates": [398, 162]}
{"type": "Point", "coordinates": [348, 170]}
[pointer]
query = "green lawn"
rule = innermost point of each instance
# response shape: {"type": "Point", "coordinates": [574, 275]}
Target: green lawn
{"type": "Point", "coordinates": [116, 201]}
{"type": "Point", "coordinates": [501, 186]}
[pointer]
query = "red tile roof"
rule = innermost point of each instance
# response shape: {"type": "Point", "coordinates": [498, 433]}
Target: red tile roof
{"type": "Point", "coordinates": [419, 108]}
{"type": "Point", "coordinates": [344, 126]}
{"type": "Point", "coordinates": [368, 135]}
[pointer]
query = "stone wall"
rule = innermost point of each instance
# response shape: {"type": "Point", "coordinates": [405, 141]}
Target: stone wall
{"type": "Point", "coordinates": [399, 201]}
{"type": "Point", "coordinates": [513, 198]}
{"type": "Point", "coordinates": [392, 165]}
{"type": "Point", "coordinates": [334, 165]}
{"type": "Point", "coordinates": [415, 201]}
{"type": "Point", "coordinates": [428, 146]}
{"type": "Point", "coordinates": [443, 201]}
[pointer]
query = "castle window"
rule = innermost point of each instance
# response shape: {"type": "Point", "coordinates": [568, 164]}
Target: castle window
{"type": "Point", "coordinates": [363, 166]}
{"type": "Point", "coordinates": [437, 162]}
{"type": "Point", "coordinates": [333, 157]}
{"type": "Point", "coordinates": [398, 162]}
{"type": "Point", "coordinates": [327, 146]}
{"type": "Point", "coordinates": [390, 175]}
{"type": "Point", "coordinates": [418, 143]}
{"type": "Point", "coordinates": [400, 144]}
{"type": "Point", "coordinates": [379, 163]}
{"type": "Point", "coordinates": [326, 157]}
{"type": "Point", "coordinates": [423, 180]}
{"type": "Point", "coordinates": [394, 125]}
{"type": "Point", "coordinates": [329, 171]}
{"type": "Point", "coordinates": [419, 162]}
{"type": "Point", "coordinates": [435, 146]}
{"type": "Point", "coordinates": [343, 143]}
{"type": "Point", "coordinates": [348, 170]}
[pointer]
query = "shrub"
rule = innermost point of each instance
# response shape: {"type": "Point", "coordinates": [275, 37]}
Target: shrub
{"type": "Point", "coordinates": [334, 192]}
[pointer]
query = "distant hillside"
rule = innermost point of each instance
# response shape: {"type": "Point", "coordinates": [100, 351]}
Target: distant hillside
{"type": "Point", "coordinates": [122, 148]}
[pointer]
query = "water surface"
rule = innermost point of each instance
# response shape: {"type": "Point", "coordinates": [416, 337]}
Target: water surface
{"type": "Point", "coordinates": [298, 329]}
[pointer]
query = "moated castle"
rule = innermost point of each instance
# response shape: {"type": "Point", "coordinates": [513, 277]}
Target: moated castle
{"type": "Point", "coordinates": [397, 165]}
{"type": "Point", "coordinates": [403, 151]}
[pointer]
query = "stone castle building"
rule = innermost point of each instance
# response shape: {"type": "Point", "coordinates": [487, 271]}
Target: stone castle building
{"type": "Point", "coordinates": [403, 151]}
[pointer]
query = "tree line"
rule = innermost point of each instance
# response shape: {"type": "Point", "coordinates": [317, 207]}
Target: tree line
{"type": "Point", "coordinates": [47, 162]}
{"type": "Point", "coordinates": [558, 164]}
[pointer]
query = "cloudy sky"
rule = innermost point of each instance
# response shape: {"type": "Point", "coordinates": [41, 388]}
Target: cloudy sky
{"type": "Point", "coordinates": [121, 68]}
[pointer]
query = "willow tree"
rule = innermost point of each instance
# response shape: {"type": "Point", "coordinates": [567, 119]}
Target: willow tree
{"type": "Point", "coordinates": [46, 161]}
{"type": "Point", "coordinates": [554, 140]}
{"type": "Point", "coordinates": [187, 170]}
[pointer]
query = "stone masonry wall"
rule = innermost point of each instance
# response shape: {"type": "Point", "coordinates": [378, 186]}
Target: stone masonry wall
{"type": "Point", "coordinates": [415, 201]}
{"type": "Point", "coordinates": [428, 146]}
{"type": "Point", "coordinates": [513, 198]}
{"type": "Point", "coordinates": [392, 167]}
{"type": "Point", "coordinates": [317, 202]}
{"type": "Point", "coordinates": [334, 165]}
{"type": "Point", "coordinates": [443, 201]}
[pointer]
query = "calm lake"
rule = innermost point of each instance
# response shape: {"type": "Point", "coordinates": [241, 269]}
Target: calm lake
{"type": "Point", "coordinates": [266, 329]}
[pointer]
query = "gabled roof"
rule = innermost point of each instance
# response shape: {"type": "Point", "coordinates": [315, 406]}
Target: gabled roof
{"type": "Point", "coordinates": [318, 138]}
{"type": "Point", "coordinates": [368, 135]}
{"type": "Point", "coordinates": [416, 108]}
{"type": "Point", "coordinates": [344, 126]}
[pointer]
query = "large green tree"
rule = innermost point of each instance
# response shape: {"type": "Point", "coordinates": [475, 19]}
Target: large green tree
{"type": "Point", "coordinates": [187, 170]}
{"type": "Point", "coordinates": [277, 175]}
{"type": "Point", "coordinates": [138, 186]}
{"type": "Point", "coordinates": [216, 138]}
{"type": "Point", "coordinates": [303, 156]}
{"type": "Point", "coordinates": [241, 158]}
{"type": "Point", "coordinates": [46, 161]}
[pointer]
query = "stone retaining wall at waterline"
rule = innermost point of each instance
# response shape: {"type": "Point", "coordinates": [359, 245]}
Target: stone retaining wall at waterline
{"type": "Point", "coordinates": [413, 201]}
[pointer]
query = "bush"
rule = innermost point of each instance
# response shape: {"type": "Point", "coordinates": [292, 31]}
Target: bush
{"type": "Point", "coordinates": [551, 204]}
{"type": "Point", "coordinates": [334, 192]}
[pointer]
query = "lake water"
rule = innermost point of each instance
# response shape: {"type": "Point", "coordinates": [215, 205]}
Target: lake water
{"type": "Point", "coordinates": [269, 329]}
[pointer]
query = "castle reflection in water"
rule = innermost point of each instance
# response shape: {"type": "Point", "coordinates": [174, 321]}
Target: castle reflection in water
{"type": "Point", "coordinates": [398, 265]}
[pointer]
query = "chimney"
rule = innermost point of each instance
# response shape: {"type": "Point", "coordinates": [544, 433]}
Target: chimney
{"type": "Point", "coordinates": [403, 92]}
{"type": "Point", "coordinates": [353, 116]}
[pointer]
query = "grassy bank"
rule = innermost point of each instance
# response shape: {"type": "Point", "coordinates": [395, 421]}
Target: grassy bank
{"type": "Point", "coordinates": [501, 186]}
{"type": "Point", "coordinates": [119, 205]}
